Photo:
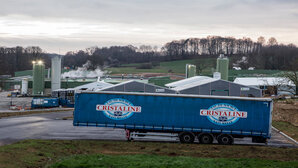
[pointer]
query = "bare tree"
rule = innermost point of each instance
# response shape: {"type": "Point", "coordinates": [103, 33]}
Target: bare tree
{"type": "Point", "coordinates": [292, 76]}
{"type": "Point", "coordinates": [272, 41]}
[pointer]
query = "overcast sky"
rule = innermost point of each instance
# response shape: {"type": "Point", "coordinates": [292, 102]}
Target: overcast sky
{"type": "Point", "coordinates": [70, 25]}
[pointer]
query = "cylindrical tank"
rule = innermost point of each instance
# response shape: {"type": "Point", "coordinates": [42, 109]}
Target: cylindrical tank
{"type": "Point", "coordinates": [190, 70]}
{"type": "Point", "coordinates": [24, 89]}
{"type": "Point", "coordinates": [56, 72]}
{"type": "Point", "coordinates": [223, 66]}
{"type": "Point", "coordinates": [38, 78]}
{"type": "Point", "coordinates": [216, 75]}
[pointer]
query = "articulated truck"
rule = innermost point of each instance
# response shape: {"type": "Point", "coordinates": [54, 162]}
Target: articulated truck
{"type": "Point", "coordinates": [206, 118]}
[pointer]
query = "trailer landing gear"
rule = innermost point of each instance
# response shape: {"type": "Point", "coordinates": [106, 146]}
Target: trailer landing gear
{"type": "Point", "coordinates": [127, 133]}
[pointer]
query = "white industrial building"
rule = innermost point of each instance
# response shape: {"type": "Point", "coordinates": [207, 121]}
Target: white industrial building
{"type": "Point", "coordinates": [269, 85]}
{"type": "Point", "coordinates": [202, 85]}
{"type": "Point", "coordinates": [93, 86]}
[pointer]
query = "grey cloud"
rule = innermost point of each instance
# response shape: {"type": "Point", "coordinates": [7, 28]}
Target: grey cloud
{"type": "Point", "coordinates": [194, 12]}
{"type": "Point", "coordinates": [195, 17]}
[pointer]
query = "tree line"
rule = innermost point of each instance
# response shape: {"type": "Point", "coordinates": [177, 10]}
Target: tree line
{"type": "Point", "coordinates": [18, 58]}
{"type": "Point", "coordinates": [261, 54]}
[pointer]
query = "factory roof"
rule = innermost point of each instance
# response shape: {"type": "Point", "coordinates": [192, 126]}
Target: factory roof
{"type": "Point", "coordinates": [264, 81]}
{"type": "Point", "coordinates": [183, 82]}
{"type": "Point", "coordinates": [93, 86]}
{"type": "Point", "coordinates": [194, 84]}
{"type": "Point", "coordinates": [126, 82]}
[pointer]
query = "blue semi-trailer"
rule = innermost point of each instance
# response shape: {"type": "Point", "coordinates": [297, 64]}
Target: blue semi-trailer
{"type": "Point", "coordinates": [206, 117]}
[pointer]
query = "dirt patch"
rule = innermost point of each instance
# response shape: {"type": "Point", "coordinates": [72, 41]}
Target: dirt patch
{"type": "Point", "coordinates": [288, 112]}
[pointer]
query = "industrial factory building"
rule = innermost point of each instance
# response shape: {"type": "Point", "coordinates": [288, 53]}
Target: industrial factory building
{"type": "Point", "coordinates": [201, 85]}
{"type": "Point", "coordinates": [269, 85]}
{"type": "Point", "coordinates": [136, 86]}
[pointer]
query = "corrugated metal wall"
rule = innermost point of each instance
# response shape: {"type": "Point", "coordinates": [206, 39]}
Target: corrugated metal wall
{"type": "Point", "coordinates": [223, 88]}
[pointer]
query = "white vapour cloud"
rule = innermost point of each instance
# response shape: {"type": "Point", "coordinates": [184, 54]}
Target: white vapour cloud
{"type": "Point", "coordinates": [83, 72]}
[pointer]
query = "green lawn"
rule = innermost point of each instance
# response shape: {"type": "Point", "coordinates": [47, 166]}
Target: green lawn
{"type": "Point", "coordinates": [287, 128]}
{"type": "Point", "coordinates": [155, 161]}
{"type": "Point", "coordinates": [41, 153]}
{"type": "Point", "coordinates": [133, 70]}
{"type": "Point", "coordinates": [165, 67]}
{"type": "Point", "coordinates": [209, 65]}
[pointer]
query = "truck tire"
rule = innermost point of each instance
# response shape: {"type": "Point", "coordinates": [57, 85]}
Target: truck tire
{"type": "Point", "coordinates": [186, 137]}
{"type": "Point", "coordinates": [225, 139]}
{"type": "Point", "coordinates": [205, 138]}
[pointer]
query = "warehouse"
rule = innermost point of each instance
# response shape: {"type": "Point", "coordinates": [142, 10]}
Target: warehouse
{"type": "Point", "coordinates": [136, 86]}
{"type": "Point", "coordinates": [269, 85]}
{"type": "Point", "coordinates": [219, 87]}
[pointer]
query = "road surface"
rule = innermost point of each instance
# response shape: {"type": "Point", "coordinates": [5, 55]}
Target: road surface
{"type": "Point", "coordinates": [52, 126]}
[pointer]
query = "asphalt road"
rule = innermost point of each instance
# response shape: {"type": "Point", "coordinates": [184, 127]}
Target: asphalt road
{"type": "Point", "coordinates": [52, 126]}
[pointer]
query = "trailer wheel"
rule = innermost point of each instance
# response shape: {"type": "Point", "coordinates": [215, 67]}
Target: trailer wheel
{"type": "Point", "coordinates": [225, 139]}
{"type": "Point", "coordinates": [186, 137]}
{"type": "Point", "coordinates": [205, 138]}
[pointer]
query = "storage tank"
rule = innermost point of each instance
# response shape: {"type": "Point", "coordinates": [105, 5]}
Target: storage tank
{"type": "Point", "coordinates": [56, 72]}
{"type": "Point", "coordinates": [38, 78]}
{"type": "Point", "coordinates": [216, 75]}
{"type": "Point", "coordinates": [24, 89]}
{"type": "Point", "coordinates": [223, 66]}
{"type": "Point", "coordinates": [190, 70]}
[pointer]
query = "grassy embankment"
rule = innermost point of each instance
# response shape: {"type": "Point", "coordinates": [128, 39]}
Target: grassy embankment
{"type": "Point", "coordinates": [12, 114]}
{"type": "Point", "coordinates": [285, 117]}
{"type": "Point", "coordinates": [87, 153]}
{"type": "Point", "coordinates": [287, 128]}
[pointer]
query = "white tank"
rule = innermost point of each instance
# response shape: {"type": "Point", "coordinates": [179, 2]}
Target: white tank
{"type": "Point", "coordinates": [24, 89]}
{"type": "Point", "coordinates": [56, 72]}
{"type": "Point", "coordinates": [216, 75]}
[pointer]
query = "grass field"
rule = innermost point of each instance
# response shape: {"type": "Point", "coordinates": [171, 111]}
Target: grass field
{"type": "Point", "coordinates": [41, 153]}
{"type": "Point", "coordinates": [155, 161]}
{"type": "Point", "coordinates": [165, 67]}
{"type": "Point", "coordinates": [209, 65]}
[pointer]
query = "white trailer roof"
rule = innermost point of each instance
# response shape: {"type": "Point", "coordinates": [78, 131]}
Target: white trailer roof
{"type": "Point", "coordinates": [187, 81]}
{"type": "Point", "coordinates": [264, 81]}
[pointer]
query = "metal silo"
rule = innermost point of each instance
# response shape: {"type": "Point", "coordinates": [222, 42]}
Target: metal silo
{"type": "Point", "coordinates": [56, 72]}
{"type": "Point", "coordinates": [38, 78]}
{"type": "Point", "coordinates": [24, 90]}
{"type": "Point", "coordinates": [223, 66]}
{"type": "Point", "coordinates": [190, 70]}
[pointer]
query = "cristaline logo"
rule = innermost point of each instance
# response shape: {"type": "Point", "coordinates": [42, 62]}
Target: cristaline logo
{"type": "Point", "coordinates": [223, 114]}
{"type": "Point", "coordinates": [118, 109]}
